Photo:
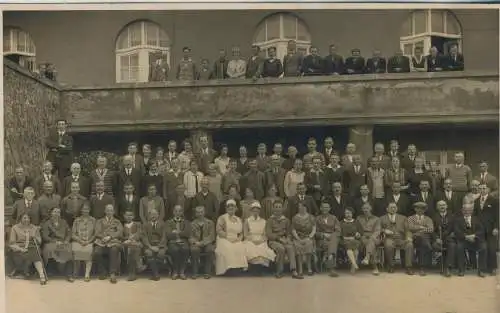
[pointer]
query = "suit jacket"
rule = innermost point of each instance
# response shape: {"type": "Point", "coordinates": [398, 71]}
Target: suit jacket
{"type": "Point", "coordinates": [443, 226]}
{"type": "Point", "coordinates": [83, 181]}
{"type": "Point", "coordinates": [242, 167]}
{"type": "Point", "coordinates": [204, 159]}
{"type": "Point", "coordinates": [210, 202]}
{"type": "Point", "coordinates": [403, 203]}
{"type": "Point", "coordinates": [71, 206]}
{"type": "Point", "coordinates": [47, 203]}
{"type": "Point", "coordinates": [407, 163]}
{"type": "Point", "coordinates": [202, 232]}
{"type": "Point", "coordinates": [430, 201]}
{"type": "Point", "coordinates": [454, 203]}
{"type": "Point", "coordinates": [20, 208]}
{"type": "Point", "coordinates": [154, 236]}
{"type": "Point", "coordinates": [434, 63]}
{"type": "Point", "coordinates": [42, 179]}
{"type": "Point", "coordinates": [133, 233]}
{"type": "Point", "coordinates": [358, 202]}
{"type": "Point", "coordinates": [109, 178]}
{"type": "Point", "coordinates": [122, 179]}
{"type": "Point", "coordinates": [97, 206]}
{"type": "Point", "coordinates": [13, 183]}
{"type": "Point", "coordinates": [125, 205]}
{"type": "Point", "coordinates": [112, 228]}
{"type": "Point", "coordinates": [460, 228]}
{"type": "Point", "coordinates": [185, 230]}
{"type": "Point", "coordinates": [292, 205]}
{"type": "Point", "coordinates": [385, 161]}
{"type": "Point", "coordinates": [60, 157]}
{"type": "Point", "coordinates": [277, 179]}
{"type": "Point", "coordinates": [313, 65]}
{"type": "Point", "coordinates": [353, 180]}
{"type": "Point", "coordinates": [148, 180]}
{"type": "Point", "coordinates": [144, 206]}
{"type": "Point", "coordinates": [255, 181]}
{"type": "Point", "coordinates": [333, 64]}
{"type": "Point", "coordinates": [288, 164]}
{"type": "Point", "coordinates": [490, 181]}
{"type": "Point", "coordinates": [357, 64]}
{"type": "Point", "coordinates": [455, 64]}
{"type": "Point", "coordinates": [263, 162]}
{"type": "Point", "coordinates": [170, 182]}
{"type": "Point", "coordinates": [311, 179]}
{"type": "Point", "coordinates": [398, 64]}
{"type": "Point", "coordinates": [219, 70]}
{"type": "Point", "coordinates": [376, 65]}
{"type": "Point", "coordinates": [338, 207]}
{"type": "Point", "coordinates": [487, 214]}
{"type": "Point", "coordinates": [399, 227]}
{"type": "Point", "coordinates": [334, 175]}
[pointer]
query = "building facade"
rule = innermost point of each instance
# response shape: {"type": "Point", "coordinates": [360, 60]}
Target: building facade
{"type": "Point", "coordinates": [102, 61]}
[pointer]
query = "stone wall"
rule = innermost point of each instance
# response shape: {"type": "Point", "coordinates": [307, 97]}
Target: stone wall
{"type": "Point", "coordinates": [31, 107]}
{"type": "Point", "coordinates": [309, 101]}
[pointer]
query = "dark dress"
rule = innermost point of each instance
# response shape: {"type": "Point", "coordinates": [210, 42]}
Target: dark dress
{"type": "Point", "coordinates": [349, 229]}
{"type": "Point", "coordinates": [272, 68]}
{"type": "Point", "coordinates": [414, 180]}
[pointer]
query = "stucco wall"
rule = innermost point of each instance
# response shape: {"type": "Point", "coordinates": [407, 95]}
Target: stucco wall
{"type": "Point", "coordinates": [381, 99]}
{"type": "Point", "coordinates": [81, 43]}
{"type": "Point", "coordinates": [31, 107]}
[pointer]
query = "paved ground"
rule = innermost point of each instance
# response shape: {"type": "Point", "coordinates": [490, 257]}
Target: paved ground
{"type": "Point", "coordinates": [362, 293]}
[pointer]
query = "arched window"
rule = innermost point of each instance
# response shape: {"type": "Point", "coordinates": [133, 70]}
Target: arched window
{"type": "Point", "coordinates": [428, 28]}
{"type": "Point", "coordinates": [19, 47]}
{"type": "Point", "coordinates": [277, 29]}
{"type": "Point", "coordinates": [135, 45]}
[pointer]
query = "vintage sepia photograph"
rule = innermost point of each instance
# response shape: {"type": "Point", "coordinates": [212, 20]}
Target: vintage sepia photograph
{"type": "Point", "coordinates": [281, 158]}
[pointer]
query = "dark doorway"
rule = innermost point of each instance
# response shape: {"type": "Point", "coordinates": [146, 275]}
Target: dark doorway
{"type": "Point", "coordinates": [297, 136]}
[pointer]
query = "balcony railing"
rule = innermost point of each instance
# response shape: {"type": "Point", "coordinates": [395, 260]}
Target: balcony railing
{"type": "Point", "coordinates": [353, 99]}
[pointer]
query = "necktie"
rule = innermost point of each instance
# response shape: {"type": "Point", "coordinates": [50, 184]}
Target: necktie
{"type": "Point", "coordinates": [356, 169]}
{"type": "Point", "coordinates": [196, 182]}
{"type": "Point", "coordinates": [29, 205]}
{"type": "Point", "coordinates": [482, 177]}
{"type": "Point", "coordinates": [155, 224]}
{"type": "Point", "coordinates": [317, 178]}
{"type": "Point", "coordinates": [424, 196]}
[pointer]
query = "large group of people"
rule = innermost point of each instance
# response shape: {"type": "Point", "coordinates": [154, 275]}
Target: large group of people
{"type": "Point", "coordinates": [295, 64]}
{"type": "Point", "coordinates": [194, 209]}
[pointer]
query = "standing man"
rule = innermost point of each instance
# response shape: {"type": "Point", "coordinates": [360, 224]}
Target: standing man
{"type": "Point", "coordinates": [486, 178]}
{"type": "Point", "coordinates": [102, 173]}
{"type": "Point", "coordinates": [254, 64]}
{"type": "Point", "coordinates": [486, 209]}
{"type": "Point", "coordinates": [355, 64]}
{"type": "Point", "coordinates": [186, 69]}
{"type": "Point", "coordinates": [313, 63]}
{"type": "Point", "coordinates": [292, 62]}
{"type": "Point", "coordinates": [376, 64]}
{"type": "Point", "coordinates": [45, 177]}
{"type": "Point", "coordinates": [60, 145]}
{"type": "Point", "coordinates": [444, 237]}
{"type": "Point", "coordinates": [316, 181]}
{"type": "Point", "coordinates": [455, 60]}
{"type": "Point", "coordinates": [355, 176]}
{"type": "Point", "coordinates": [127, 174]}
{"type": "Point", "coordinates": [220, 66]}
{"type": "Point", "coordinates": [76, 177]}
{"type": "Point", "coordinates": [205, 155]}
{"type": "Point", "coordinates": [460, 174]}
{"type": "Point", "coordinates": [334, 62]}
{"type": "Point", "coordinates": [398, 63]}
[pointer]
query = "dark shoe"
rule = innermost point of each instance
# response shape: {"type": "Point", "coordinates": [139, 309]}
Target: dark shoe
{"type": "Point", "coordinates": [310, 273]}
{"type": "Point", "coordinates": [207, 276]}
{"type": "Point", "coordinates": [194, 276]}
{"type": "Point", "coordinates": [481, 274]}
{"type": "Point", "coordinates": [390, 270]}
{"type": "Point", "coordinates": [278, 275]}
{"type": "Point", "coordinates": [70, 279]}
{"type": "Point", "coordinates": [461, 273]}
{"type": "Point", "coordinates": [175, 276]}
{"type": "Point", "coordinates": [155, 278]}
{"type": "Point", "coordinates": [409, 271]}
{"type": "Point", "coordinates": [422, 272]}
{"type": "Point", "coordinates": [333, 273]}
{"type": "Point", "coordinates": [43, 282]}
{"type": "Point", "coordinates": [182, 276]}
{"type": "Point", "coordinates": [447, 273]}
{"type": "Point", "coordinates": [112, 279]}
{"type": "Point", "coordinates": [132, 278]}
{"type": "Point", "coordinates": [102, 277]}
{"type": "Point", "coordinates": [86, 279]}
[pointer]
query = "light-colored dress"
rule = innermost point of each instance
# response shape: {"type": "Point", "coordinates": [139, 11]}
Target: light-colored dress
{"type": "Point", "coordinates": [53, 231]}
{"type": "Point", "coordinates": [229, 254]}
{"type": "Point", "coordinates": [303, 226]}
{"type": "Point", "coordinates": [292, 179]}
{"type": "Point", "coordinates": [236, 68]}
{"type": "Point", "coordinates": [246, 208]}
{"type": "Point", "coordinates": [222, 164]}
{"type": "Point", "coordinates": [255, 230]}
{"type": "Point", "coordinates": [83, 229]}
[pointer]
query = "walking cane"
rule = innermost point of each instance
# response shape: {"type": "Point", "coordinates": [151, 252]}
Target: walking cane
{"type": "Point", "coordinates": [441, 248]}
{"type": "Point", "coordinates": [41, 258]}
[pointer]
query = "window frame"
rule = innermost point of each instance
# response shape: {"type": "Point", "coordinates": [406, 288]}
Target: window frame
{"type": "Point", "coordinates": [29, 58]}
{"type": "Point", "coordinates": [143, 50]}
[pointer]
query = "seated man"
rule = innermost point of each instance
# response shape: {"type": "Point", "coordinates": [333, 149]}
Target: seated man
{"type": "Point", "coordinates": [278, 229]}
{"type": "Point", "coordinates": [108, 233]}
{"type": "Point", "coordinates": [132, 232]}
{"type": "Point", "coordinates": [155, 243]}
{"type": "Point", "coordinates": [178, 231]}
{"type": "Point", "coordinates": [328, 236]}
{"type": "Point", "coordinates": [396, 236]}
{"type": "Point", "coordinates": [370, 225]}
{"type": "Point", "coordinates": [469, 234]}
{"type": "Point", "coordinates": [422, 228]}
{"type": "Point", "coordinates": [202, 241]}
{"type": "Point", "coordinates": [444, 237]}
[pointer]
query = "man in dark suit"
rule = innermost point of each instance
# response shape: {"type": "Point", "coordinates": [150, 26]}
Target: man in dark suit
{"type": "Point", "coordinates": [60, 145]}
{"type": "Point", "coordinates": [408, 158]}
{"type": "Point", "coordinates": [425, 196]}
{"type": "Point", "coordinates": [47, 176]}
{"type": "Point", "coordinates": [153, 177]}
{"type": "Point", "coordinates": [137, 159]}
{"type": "Point", "coordinates": [455, 60]}
{"type": "Point", "coordinates": [155, 243]}
{"type": "Point", "coordinates": [276, 176]}
{"type": "Point", "coordinates": [338, 201]}
{"type": "Point", "coordinates": [444, 238]}
{"type": "Point", "coordinates": [172, 179]}
{"type": "Point", "coordinates": [76, 176]}
{"type": "Point", "coordinates": [380, 156]}
{"type": "Point", "coordinates": [102, 173]}
{"type": "Point", "coordinates": [363, 198]}
{"type": "Point", "coordinates": [205, 155]}
{"type": "Point", "coordinates": [355, 64]}
{"type": "Point", "coordinates": [486, 178]}
{"type": "Point", "coordinates": [316, 182]}
{"type": "Point", "coordinates": [127, 174]}
{"type": "Point", "coordinates": [486, 209]}
{"type": "Point", "coordinates": [291, 157]}
{"type": "Point", "coordinates": [453, 200]}
{"type": "Point", "coordinates": [312, 64]}
{"type": "Point", "coordinates": [253, 179]}
{"type": "Point", "coordinates": [18, 183]}
{"type": "Point", "coordinates": [328, 150]}
{"type": "Point", "coordinates": [27, 205]}
{"type": "Point", "coordinates": [292, 203]}
{"type": "Point", "coordinates": [334, 172]}
{"type": "Point", "coordinates": [99, 201]}
{"type": "Point", "coordinates": [376, 64]}
{"type": "Point", "coordinates": [398, 63]}
{"type": "Point", "coordinates": [262, 158]}
{"type": "Point", "coordinates": [400, 199]}
{"type": "Point", "coordinates": [355, 176]}
{"type": "Point", "coordinates": [394, 150]}
{"type": "Point", "coordinates": [206, 199]}
{"type": "Point", "coordinates": [128, 201]}
{"type": "Point", "coordinates": [334, 62]}
{"type": "Point", "coordinates": [469, 233]}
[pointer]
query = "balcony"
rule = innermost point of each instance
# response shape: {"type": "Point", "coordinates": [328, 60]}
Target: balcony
{"type": "Point", "coordinates": [458, 97]}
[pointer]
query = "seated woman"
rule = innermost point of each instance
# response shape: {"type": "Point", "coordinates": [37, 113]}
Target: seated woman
{"type": "Point", "coordinates": [303, 232]}
{"type": "Point", "coordinates": [56, 235]}
{"type": "Point", "coordinates": [229, 251]}
{"type": "Point", "coordinates": [254, 233]}
{"type": "Point", "coordinates": [83, 241]}
{"type": "Point", "coordinates": [246, 204]}
{"type": "Point", "coordinates": [351, 233]}
{"type": "Point", "coordinates": [24, 241]}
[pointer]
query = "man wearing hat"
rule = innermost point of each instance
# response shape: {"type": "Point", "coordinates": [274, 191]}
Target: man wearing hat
{"type": "Point", "coordinates": [422, 228]}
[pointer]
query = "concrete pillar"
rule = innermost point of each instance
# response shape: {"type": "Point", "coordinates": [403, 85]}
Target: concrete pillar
{"type": "Point", "coordinates": [195, 136]}
{"type": "Point", "coordinates": [362, 137]}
